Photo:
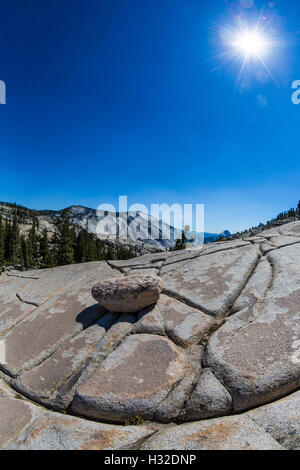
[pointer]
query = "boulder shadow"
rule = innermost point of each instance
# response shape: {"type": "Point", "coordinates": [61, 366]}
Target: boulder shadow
{"type": "Point", "coordinates": [146, 310]}
{"type": "Point", "coordinates": [97, 315]}
{"type": "Point", "coordinates": [90, 315]}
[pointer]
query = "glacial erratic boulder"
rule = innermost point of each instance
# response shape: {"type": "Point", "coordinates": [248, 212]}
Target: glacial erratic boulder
{"type": "Point", "coordinates": [128, 294]}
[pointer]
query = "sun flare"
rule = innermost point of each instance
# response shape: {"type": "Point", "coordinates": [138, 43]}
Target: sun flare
{"type": "Point", "coordinates": [251, 43]}
{"type": "Point", "coordinates": [250, 47]}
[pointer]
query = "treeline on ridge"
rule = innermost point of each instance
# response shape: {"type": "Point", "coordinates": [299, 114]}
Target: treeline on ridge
{"type": "Point", "coordinates": [68, 245]}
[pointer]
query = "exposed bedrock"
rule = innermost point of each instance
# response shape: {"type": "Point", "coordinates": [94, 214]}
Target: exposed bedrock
{"type": "Point", "coordinates": [211, 362]}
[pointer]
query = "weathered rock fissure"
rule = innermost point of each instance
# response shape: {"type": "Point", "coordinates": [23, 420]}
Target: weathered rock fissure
{"type": "Point", "coordinates": [26, 301]}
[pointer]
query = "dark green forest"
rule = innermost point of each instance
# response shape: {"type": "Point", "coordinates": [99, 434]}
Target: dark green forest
{"type": "Point", "coordinates": [68, 245]}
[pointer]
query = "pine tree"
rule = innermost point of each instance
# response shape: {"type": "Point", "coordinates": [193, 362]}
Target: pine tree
{"type": "Point", "coordinates": [15, 241]}
{"type": "Point", "coordinates": [44, 250]}
{"type": "Point", "coordinates": [25, 252]}
{"type": "Point", "coordinates": [80, 248]}
{"type": "Point", "coordinates": [91, 251]}
{"type": "Point", "coordinates": [180, 243]}
{"type": "Point", "coordinates": [110, 254]}
{"type": "Point", "coordinates": [8, 241]}
{"type": "Point", "coordinates": [100, 250]}
{"type": "Point", "coordinates": [65, 250]}
{"type": "Point", "coordinates": [2, 244]}
{"type": "Point", "coordinates": [33, 248]}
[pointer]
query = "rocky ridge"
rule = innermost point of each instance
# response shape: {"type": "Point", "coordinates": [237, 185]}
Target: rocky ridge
{"type": "Point", "coordinates": [105, 225]}
{"type": "Point", "coordinates": [214, 364]}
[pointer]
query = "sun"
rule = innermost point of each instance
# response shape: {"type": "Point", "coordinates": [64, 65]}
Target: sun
{"type": "Point", "coordinates": [252, 49]}
{"type": "Point", "coordinates": [251, 43]}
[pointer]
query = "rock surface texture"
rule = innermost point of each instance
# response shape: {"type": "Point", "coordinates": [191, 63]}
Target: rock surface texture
{"type": "Point", "coordinates": [211, 363]}
{"type": "Point", "coordinates": [128, 294]}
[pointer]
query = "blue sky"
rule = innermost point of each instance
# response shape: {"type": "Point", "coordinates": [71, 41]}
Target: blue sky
{"type": "Point", "coordinates": [130, 97]}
